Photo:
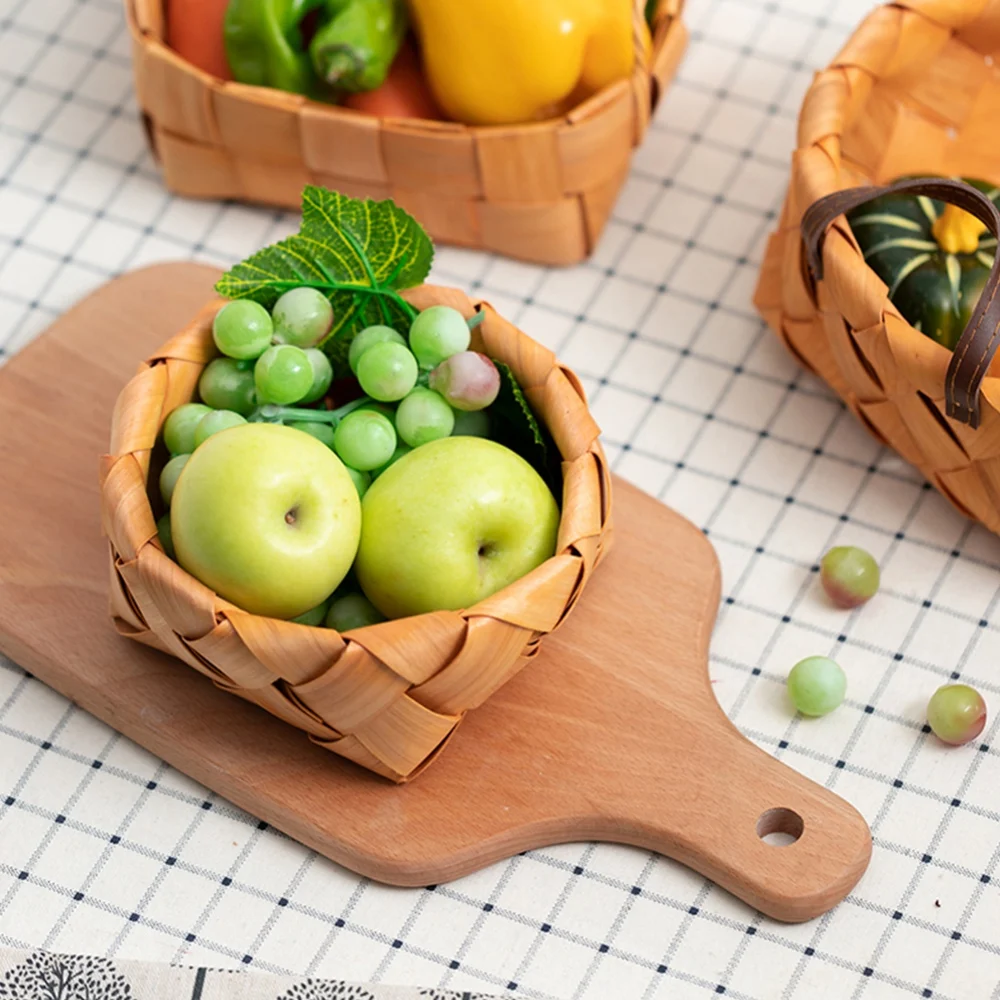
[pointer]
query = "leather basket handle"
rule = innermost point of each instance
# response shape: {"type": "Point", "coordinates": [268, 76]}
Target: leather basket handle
{"type": "Point", "coordinates": [971, 358]}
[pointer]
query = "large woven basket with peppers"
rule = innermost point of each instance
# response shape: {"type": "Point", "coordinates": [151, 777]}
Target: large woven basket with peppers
{"type": "Point", "coordinates": [505, 127]}
{"type": "Point", "coordinates": [386, 694]}
{"type": "Point", "coordinates": [881, 276]}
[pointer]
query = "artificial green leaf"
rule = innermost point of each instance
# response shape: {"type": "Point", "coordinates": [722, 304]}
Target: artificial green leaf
{"type": "Point", "coordinates": [515, 425]}
{"type": "Point", "coordinates": [516, 393]}
{"type": "Point", "coordinates": [358, 253]}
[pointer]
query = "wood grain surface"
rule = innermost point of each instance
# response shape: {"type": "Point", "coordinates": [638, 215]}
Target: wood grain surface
{"type": "Point", "coordinates": [613, 733]}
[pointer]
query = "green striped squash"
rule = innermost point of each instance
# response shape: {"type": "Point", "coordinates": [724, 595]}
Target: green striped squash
{"type": "Point", "coordinates": [935, 291]}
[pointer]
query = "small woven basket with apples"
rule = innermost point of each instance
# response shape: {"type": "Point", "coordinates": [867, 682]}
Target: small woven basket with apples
{"type": "Point", "coordinates": [387, 696]}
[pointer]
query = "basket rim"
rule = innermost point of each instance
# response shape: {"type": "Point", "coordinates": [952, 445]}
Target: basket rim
{"type": "Point", "coordinates": [666, 19]}
{"type": "Point", "coordinates": [830, 141]}
{"type": "Point", "coordinates": [201, 322]}
{"type": "Point", "coordinates": [388, 696]}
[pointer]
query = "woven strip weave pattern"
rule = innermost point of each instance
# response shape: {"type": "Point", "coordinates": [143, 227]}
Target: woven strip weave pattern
{"type": "Point", "coordinates": [542, 191]}
{"type": "Point", "coordinates": [389, 696]}
{"type": "Point", "coordinates": [916, 91]}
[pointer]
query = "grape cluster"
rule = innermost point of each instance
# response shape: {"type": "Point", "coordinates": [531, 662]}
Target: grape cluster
{"type": "Point", "coordinates": [431, 380]}
{"type": "Point", "coordinates": [417, 389]}
{"type": "Point", "coordinates": [269, 357]}
{"type": "Point", "coordinates": [413, 390]}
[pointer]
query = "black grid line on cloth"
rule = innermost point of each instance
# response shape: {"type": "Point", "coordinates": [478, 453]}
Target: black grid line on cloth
{"type": "Point", "coordinates": [123, 843]}
{"type": "Point", "coordinates": [615, 929]}
{"type": "Point", "coordinates": [39, 128]}
{"type": "Point", "coordinates": [484, 908]}
{"type": "Point", "coordinates": [728, 439]}
{"type": "Point", "coordinates": [598, 947]}
{"type": "Point", "coordinates": [691, 910]}
{"type": "Point", "coordinates": [101, 862]}
{"type": "Point", "coordinates": [949, 814]}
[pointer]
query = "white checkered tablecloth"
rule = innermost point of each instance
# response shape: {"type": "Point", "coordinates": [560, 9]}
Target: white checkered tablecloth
{"type": "Point", "coordinates": [106, 850]}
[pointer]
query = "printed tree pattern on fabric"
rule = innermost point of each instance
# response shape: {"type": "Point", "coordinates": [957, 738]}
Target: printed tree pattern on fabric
{"type": "Point", "coordinates": [449, 995]}
{"type": "Point", "coordinates": [43, 976]}
{"type": "Point", "coordinates": [323, 989]}
{"type": "Point", "coordinates": [320, 989]}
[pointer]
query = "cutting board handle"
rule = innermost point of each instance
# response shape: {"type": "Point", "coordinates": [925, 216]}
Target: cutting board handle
{"type": "Point", "coordinates": [771, 836]}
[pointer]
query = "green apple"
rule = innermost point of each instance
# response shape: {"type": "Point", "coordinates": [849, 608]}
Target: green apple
{"type": "Point", "coordinates": [451, 523]}
{"type": "Point", "coordinates": [267, 517]}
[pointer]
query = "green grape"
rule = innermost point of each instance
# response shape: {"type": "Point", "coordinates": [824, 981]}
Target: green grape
{"type": "Point", "coordinates": [816, 685]}
{"type": "Point", "coordinates": [353, 611]}
{"type": "Point", "coordinates": [364, 440]}
{"type": "Point", "coordinates": [471, 423]}
{"type": "Point", "coordinates": [322, 372]}
{"type": "Point", "coordinates": [368, 337]}
{"type": "Point", "coordinates": [849, 575]}
{"type": "Point", "coordinates": [314, 616]}
{"type": "Point", "coordinates": [401, 450]}
{"type": "Point", "coordinates": [424, 416]}
{"type": "Point", "coordinates": [361, 480]}
{"type": "Point", "coordinates": [956, 713]}
{"type": "Point", "coordinates": [302, 317]}
{"type": "Point", "coordinates": [243, 329]}
{"type": "Point", "coordinates": [283, 375]}
{"type": "Point", "coordinates": [387, 371]}
{"type": "Point", "coordinates": [212, 423]}
{"type": "Point", "coordinates": [166, 535]}
{"type": "Point", "coordinates": [179, 428]}
{"type": "Point", "coordinates": [438, 333]}
{"type": "Point", "coordinates": [227, 384]}
{"type": "Point", "coordinates": [321, 431]}
{"type": "Point", "coordinates": [169, 476]}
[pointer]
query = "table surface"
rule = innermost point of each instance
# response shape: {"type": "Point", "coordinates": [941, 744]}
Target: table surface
{"type": "Point", "coordinates": [104, 849]}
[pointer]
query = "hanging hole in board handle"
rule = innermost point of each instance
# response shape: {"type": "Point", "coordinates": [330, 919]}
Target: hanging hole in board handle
{"type": "Point", "coordinates": [780, 827]}
{"type": "Point", "coordinates": [970, 361]}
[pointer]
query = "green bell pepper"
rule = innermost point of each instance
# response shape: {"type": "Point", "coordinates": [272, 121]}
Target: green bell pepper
{"type": "Point", "coordinates": [354, 44]}
{"type": "Point", "coordinates": [264, 43]}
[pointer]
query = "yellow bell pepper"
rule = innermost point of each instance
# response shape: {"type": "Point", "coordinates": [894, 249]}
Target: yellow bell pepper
{"type": "Point", "coordinates": [499, 62]}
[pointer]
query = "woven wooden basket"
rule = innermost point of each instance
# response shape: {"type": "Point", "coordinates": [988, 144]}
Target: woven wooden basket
{"type": "Point", "coordinates": [915, 91]}
{"type": "Point", "coordinates": [389, 696]}
{"type": "Point", "coordinates": [541, 192]}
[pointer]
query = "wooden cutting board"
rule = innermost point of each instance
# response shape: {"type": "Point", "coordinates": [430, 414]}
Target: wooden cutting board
{"type": "Point", "coordinates": [613, 732]}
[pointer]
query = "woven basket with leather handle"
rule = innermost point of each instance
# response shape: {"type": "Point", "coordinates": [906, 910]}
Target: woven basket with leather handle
{"type": "Point", "coordinates": [388, 696]}
{"type": "Point", "coordinates": [541, 191]}
{"type": "Point", "coordinates": [915, 91]}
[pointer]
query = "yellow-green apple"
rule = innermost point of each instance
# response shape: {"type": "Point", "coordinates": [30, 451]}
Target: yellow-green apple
{"type": "Point", "coordinates": [451, 523]}
{"type": "Point", "coordinates": [268, 517]}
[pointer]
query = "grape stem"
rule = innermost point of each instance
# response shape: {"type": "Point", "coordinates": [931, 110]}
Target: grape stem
{"type": "Point", "coordinates": [476, 320]}
{"type": "Point", "coordinates": [299, 415]}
